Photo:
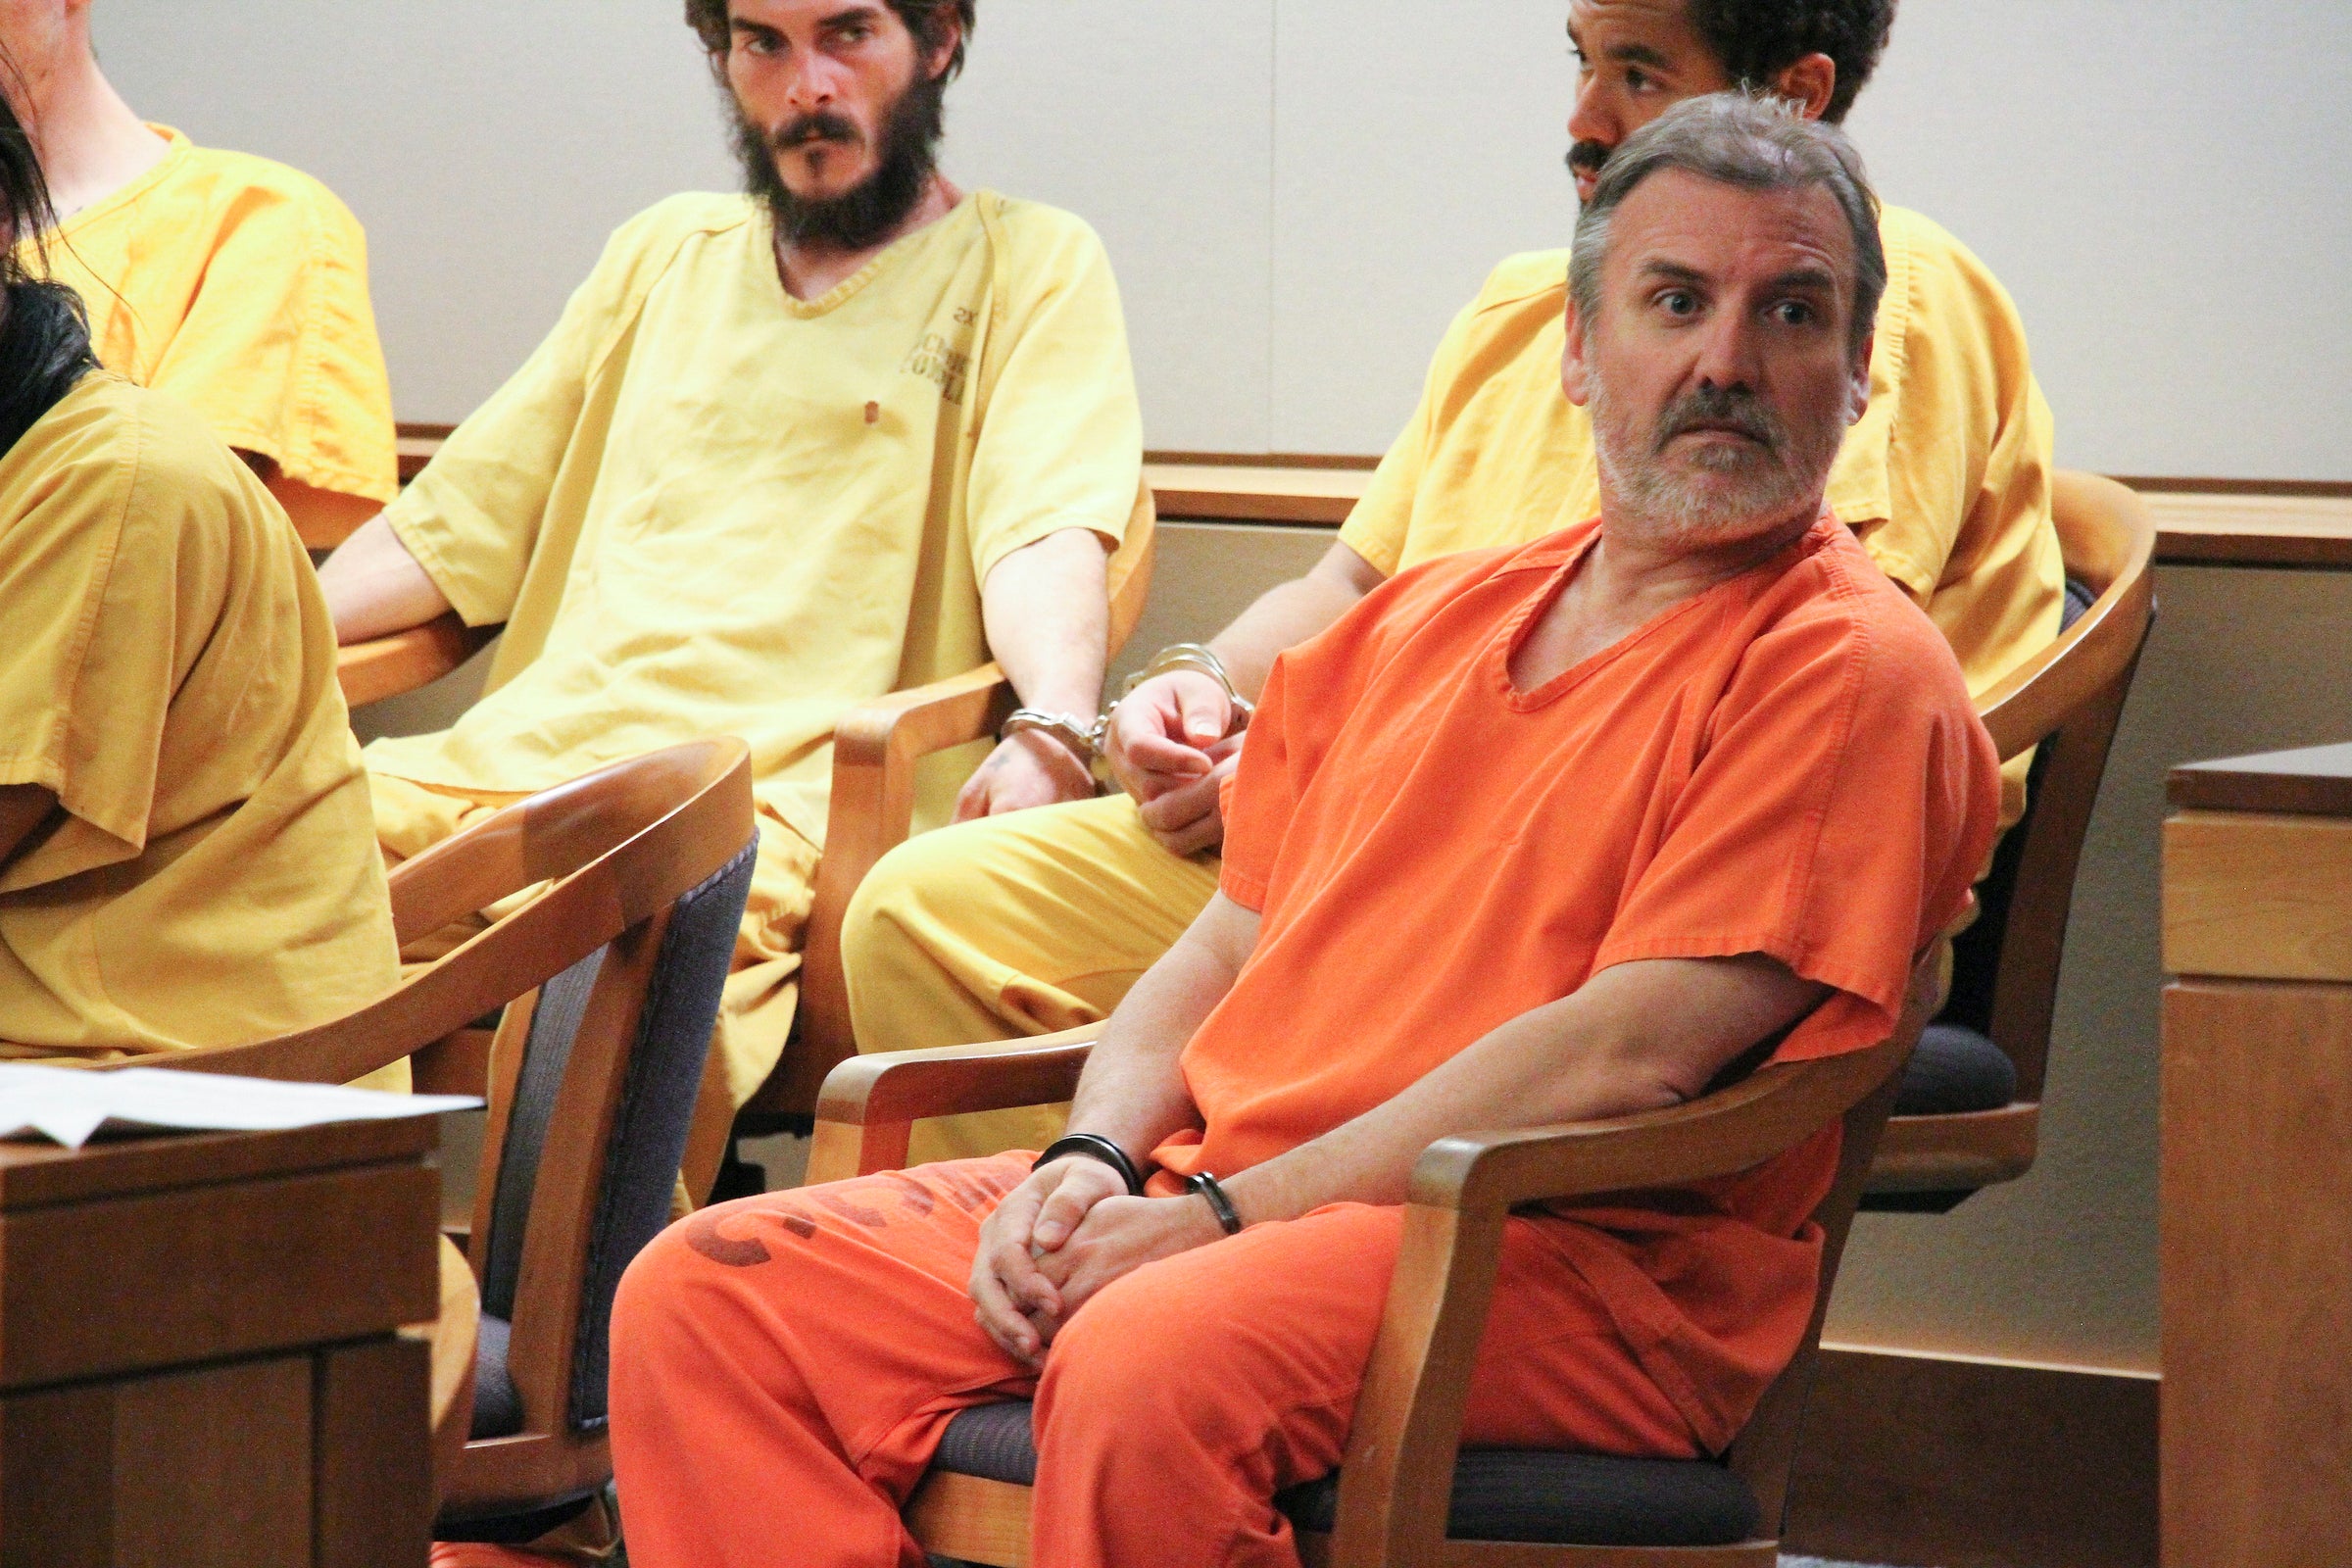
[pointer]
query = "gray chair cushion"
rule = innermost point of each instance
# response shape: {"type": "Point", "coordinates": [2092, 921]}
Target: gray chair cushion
{"type": "Point", "coordinates": [1499, 1494]}
{"type": "Point", "coordinates": [1955, 1069]}
{"type": "Point", "coordinates": [497, 1408]}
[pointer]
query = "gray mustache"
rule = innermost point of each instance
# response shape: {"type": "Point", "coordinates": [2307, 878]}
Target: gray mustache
{"type": "Point", "coordinates": [1739, 410]}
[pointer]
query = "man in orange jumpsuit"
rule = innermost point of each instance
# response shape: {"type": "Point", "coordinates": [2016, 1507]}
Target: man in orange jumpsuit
{"type": "Point", "coordinates": [1532, 835]}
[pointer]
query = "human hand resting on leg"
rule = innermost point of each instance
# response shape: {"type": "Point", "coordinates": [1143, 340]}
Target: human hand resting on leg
{"type": "Point", "coordinates": [1013, 1301]}
{"type": "Point", "coordinates": [1118, 1235]}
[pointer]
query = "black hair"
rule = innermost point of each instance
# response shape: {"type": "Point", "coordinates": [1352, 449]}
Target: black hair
{"type": "Point", "coordinates": [1755, 40]}
{"type": "Point", "coordinates": [44, 330]}
{"type": "Point", "coordinates": [927, 20]}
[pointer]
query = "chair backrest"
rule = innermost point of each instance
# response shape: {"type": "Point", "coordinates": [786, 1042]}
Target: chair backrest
{"type": "Point", "coordinates": [1766, 1447]}
{"type": "Point", "coordinates": [593, 1089]}
{"type": "Point", "coordinates": [2068, 700]}
{"type": "Point", "coordinates": [614, 972]}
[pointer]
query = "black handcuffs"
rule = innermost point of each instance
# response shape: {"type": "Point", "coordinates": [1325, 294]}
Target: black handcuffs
{"type": "Point", "coordinates": [1206, 1185]}
{"type": "Point", "coordinates": [1094, 1146]}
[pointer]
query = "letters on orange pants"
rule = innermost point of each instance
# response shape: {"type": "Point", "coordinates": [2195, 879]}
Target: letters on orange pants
{"type": "Point", "coordinates": [784, 1366]}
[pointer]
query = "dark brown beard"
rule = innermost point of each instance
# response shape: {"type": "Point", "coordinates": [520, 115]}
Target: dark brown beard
{"type": "Point", "coordinates": [865, 215]}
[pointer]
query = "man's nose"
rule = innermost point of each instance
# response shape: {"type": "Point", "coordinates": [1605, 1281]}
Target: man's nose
{"type": "Point", "coordinates": [1726, 353]}
{"type": "Point", "coordinates": [1590, 117]}
{"type": "Point", "coordinates": [811, 81]}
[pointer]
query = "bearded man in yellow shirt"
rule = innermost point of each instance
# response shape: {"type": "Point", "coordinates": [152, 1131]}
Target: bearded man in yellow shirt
{"type": "Point", "coordinates": [1039, 923]}
{"type": "Point", "coordinates": [185, 855]}
{"type": "Point", "coordinates": [236, 284]}
{"type": "Point", "coordinates": [783, 454]}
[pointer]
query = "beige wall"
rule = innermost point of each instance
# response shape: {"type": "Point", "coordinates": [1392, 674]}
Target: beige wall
{"type": "Point", "coordinates": [1299, 194]}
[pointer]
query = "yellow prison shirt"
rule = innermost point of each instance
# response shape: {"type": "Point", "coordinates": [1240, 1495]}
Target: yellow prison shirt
{"type": "Point", "coordinates": [240, 286]}
{"type": "Point", "coordinates": [212, 875]}
{"type": "Point", "coordinates": [705, 508]}
{"type": "Point", "coordinates": [1945, 480]}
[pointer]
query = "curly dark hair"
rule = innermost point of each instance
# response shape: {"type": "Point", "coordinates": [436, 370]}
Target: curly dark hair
{"type": "Point", "coordinates": [1755, 41]}
{"type": "Point", "coordinates": [927, 20]}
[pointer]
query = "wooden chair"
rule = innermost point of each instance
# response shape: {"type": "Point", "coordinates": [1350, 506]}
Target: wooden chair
{"type": "Point", "coordinates": [1970, 1108]}
{"type": "Point", "coordinates": [876, 749]}
{"type": "Point", "coordinates": [1405, 1496]}
{"type": "Point", "coordinates": [611, 981]}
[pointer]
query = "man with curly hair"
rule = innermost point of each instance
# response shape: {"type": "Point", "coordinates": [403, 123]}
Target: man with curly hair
{"type": "Point", "coordinates": [1032, 924]}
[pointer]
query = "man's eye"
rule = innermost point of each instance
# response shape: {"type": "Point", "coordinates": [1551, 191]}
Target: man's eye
{"type": "Point", "coordinates": [1636, 78]}
{"type": "Point", "coordinates": [1678, 302]}
{"type": "Point", "coordinates": [1793, 313]}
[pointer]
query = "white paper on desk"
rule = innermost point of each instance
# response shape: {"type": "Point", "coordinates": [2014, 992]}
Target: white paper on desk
{"type": "Point", "coordinates": [67, 1104]}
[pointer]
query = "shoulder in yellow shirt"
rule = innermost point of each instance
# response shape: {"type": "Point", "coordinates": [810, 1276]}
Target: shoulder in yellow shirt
{"type": "Point", "coordinates": [240, 287]}
{"type": "Point", "coordinates": [212, 875]}
{"type": "Point", "coordinates": [704, 507]}
{"type": "Point", "coordinates": [1945, 480]}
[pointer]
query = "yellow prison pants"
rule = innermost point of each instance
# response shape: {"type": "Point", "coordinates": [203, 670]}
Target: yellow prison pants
{"type": "Point", "coordinates": [1013, 925]}
{"type": "Point", "coordinates": [762, 987]}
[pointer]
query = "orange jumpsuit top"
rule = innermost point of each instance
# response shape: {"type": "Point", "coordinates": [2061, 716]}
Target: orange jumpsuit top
{"type": "Point", "coordinates": [1788, 764]}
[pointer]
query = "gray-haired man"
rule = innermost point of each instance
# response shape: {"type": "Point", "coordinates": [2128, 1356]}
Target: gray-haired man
{"type": "Point", "coordinates": [1533, 835]}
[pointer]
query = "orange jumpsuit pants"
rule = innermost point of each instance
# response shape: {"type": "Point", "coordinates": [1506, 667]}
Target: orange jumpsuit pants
{"type": "Point", "coordinates": [783, 1367]}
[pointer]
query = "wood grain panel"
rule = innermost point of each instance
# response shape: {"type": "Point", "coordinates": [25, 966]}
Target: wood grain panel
{"type": "Point", "coordinates": [212, 1469]}
{"type": "Point", "coordinates": [372, 1454]}
{"type": "Point", "coordinates": [103, 1289]}
{"type": "Point", "coordinates": [34, 1174]}
{"type": "Point", "coordinates": [2258, 897]}
{"type": "Point", "coordinates": [1975, 1465]}
{"type": "Point", "coordinates": [2312, 780]}
{"type": "Point", "coordinates": [2257, 1275]}
{"type": "Point", "coordinates": [972, 1519]}
{"type": "Point", "coordinates": [57, 1469]}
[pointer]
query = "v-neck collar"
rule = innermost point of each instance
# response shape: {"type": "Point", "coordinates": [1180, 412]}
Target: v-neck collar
{"type": "Point", "coordinates": [1521, 623]}
{"type": "Point", "coordinates": [882, 261]}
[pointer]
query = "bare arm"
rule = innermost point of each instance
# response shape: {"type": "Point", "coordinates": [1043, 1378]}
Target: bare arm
{"type": "Point", "coordinates": [23, 809]}
{"type": "Point", "coordinates": [1169, 745]}
{"type": "Point", "coordinates": [1133, 1093]}
{"type": "Point", "coordinates": [1636, 1037]}
{"type": "Point", "coordinates": [1640, 1036]}
{"type": "Point", "coordinates": [1047, 610]}
{"type": "Point", "coordinates": [374, 587]}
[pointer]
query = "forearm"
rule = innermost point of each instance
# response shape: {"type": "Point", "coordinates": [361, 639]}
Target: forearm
{"type": "Point", "coordinates": [1048, 619]}
{"type": "Point", "coordinates": [1288, 613]}
{"type": "Point", "coordinates": [1638, 1037]}
{"type": "Point", "coordinates": [374, 587]}
{"type": "Point", "coordinates": [1133, 1091]}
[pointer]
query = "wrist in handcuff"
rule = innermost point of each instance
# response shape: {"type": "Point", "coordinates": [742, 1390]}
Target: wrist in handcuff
{"type": "Point", "coordinates": [1081, 741]}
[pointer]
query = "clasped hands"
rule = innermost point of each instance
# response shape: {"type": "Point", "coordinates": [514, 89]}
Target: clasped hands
{"type": "Point", "coordinates": [1169, 746]}
{"type": "Point", "coordinates": [1060, 1238]}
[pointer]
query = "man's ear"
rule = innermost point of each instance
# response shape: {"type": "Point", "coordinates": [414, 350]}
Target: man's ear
{"type": "Point", "coordinates": [950, 42]}
{"type": "Point", "coordinates": [1857, 401]}
{"type": "Point", "coordinates": [1808, 83]}
{"type": "Point", "coordinates": [1575, 369]}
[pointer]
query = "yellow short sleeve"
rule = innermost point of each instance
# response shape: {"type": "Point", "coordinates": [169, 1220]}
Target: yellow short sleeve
{"type": "Point", "coordinates": [1061, 434]}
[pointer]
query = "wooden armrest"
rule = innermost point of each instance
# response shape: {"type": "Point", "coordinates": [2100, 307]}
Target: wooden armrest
{"type": "Point", "coordinates": [1734, 1129]}
{"type": "Point", "coordinates": [871, 812]}
{"type": "Point", "coordinates": [387, 666]}
{"type": "Point", "coordinates": [870, 1104]}
{"type": "Point", "coordinates": [1398, 1473]}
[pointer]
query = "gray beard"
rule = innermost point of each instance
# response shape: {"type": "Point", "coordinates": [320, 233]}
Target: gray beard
{"type": "Point", "coordinates": [1664, 504]}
